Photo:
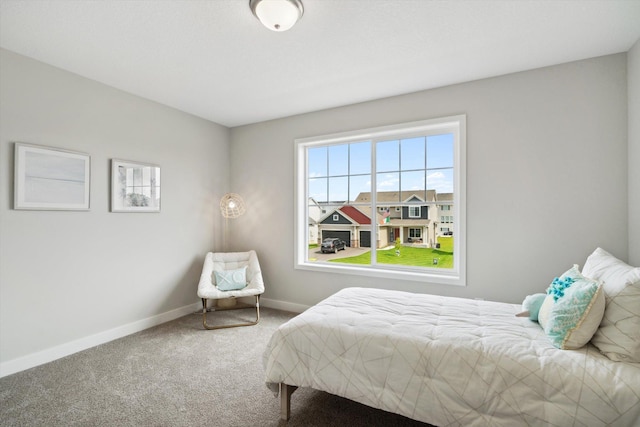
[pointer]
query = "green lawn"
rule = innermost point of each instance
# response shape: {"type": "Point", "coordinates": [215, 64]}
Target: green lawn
{"type": "Point", "coordinates": [420, 257]}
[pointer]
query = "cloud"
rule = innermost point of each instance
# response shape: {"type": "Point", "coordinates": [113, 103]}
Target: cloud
{"type": "Point", "coordinates": [440, 182]}
{"type": "Point", "coordinates": [389, 181]}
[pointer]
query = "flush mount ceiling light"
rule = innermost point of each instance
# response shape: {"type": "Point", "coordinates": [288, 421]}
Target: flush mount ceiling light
{"type": "Point", "coordinates": [277, 15]}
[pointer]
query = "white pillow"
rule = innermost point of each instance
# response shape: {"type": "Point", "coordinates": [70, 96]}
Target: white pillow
{"type": "Point", "coordinates": [618, 336]}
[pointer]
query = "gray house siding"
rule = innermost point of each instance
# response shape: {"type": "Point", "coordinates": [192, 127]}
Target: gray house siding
{"type": "Point", "coordinates": [424, 213]}
{"type": "Point", "coordinates": [329, 219]}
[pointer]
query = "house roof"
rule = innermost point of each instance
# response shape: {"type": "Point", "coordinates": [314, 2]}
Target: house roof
{"type": "Point", "coordinates": [396, 196]}
{"type": "Point", "coordinates": [395, 222]}
{"type": "Point", "coordinates": [444, 197]}
{"type": "Point", "coordinates": [362, 215]}
{"type": "Point", "coordinates": [355, 214]}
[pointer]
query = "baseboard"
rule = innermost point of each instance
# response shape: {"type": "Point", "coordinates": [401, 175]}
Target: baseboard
{"type": "Point", "coordinates": [283, 305]}
{"type": "Point", "coordinates": [59, 351]}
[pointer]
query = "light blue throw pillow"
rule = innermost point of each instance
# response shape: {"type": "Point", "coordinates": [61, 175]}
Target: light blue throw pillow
{"type": "Point", "coordinates": [231, 280]}
{"type": "Point", "coordinates": [572, 310]}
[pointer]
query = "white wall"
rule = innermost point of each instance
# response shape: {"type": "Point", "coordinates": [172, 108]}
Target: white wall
{"type": "Point", "coordinates": [546, 179]}
{"type": "Point", "coordinates": [633, 73]}
{"type": "Point", "coordinates": [69, 280]}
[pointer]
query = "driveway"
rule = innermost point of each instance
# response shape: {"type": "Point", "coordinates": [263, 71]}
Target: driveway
{"type": "Point", "coordinates": [316, 254]}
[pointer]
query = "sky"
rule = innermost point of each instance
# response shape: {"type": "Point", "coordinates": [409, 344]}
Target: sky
{"type": "Point", "coordinates": [341, 172]}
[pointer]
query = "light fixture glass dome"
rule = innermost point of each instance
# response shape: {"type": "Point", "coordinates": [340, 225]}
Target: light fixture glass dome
{"type": "Point", "coordinates": [277, 15]}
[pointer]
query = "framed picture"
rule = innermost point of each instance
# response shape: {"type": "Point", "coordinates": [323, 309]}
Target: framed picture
{"type": "Point", "coordinates": [51, 179]}
{"type": "Point", "coordinates": [135, 187]}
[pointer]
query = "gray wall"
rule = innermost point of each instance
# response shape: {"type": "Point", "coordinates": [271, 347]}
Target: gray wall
{"type": "Point", "coordinates": [633, 66]}
{"type": "Point", "coordinates": [546, 179]}
{"type": "Point", "coordinates": [91, 276]}
{"type": "Point", "coordinates": [547, 183]}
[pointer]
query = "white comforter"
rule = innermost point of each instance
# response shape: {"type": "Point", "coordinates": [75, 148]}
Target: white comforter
{"type": "Point", "coordinates": [449, 362]}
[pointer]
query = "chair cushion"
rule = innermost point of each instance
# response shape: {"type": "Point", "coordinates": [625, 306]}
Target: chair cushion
{"type": "Point", "coordinates": [231, 280]}
{"type": "Point", "coordinates": [224, 261]}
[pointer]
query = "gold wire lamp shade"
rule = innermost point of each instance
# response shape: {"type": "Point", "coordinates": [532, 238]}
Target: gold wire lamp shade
{"type": "Point", "coordinates": [232, 205]}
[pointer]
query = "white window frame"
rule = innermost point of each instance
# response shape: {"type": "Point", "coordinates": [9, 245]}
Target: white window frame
{"type": "Point", "coordinates": [454, 276]}
{"type": "Point", "coordinates": [419, 211]}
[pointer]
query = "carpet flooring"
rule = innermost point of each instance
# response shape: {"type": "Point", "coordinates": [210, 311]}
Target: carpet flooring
{"type": "Point", "coordinates": [175, 374]}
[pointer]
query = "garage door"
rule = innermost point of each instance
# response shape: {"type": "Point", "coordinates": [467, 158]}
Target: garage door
{"type": "Point", "coordinates": [365, 239]}
{"type": "Point", "coordinates": [344, 235]}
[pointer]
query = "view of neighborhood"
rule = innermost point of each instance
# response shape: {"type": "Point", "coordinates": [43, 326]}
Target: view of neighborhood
{"type": "Point", "coordinates": [416, 218]}
{"type": "Point", "coordinates": [390, 199]}
{"type": "Point", "coordinates": [417, 224]}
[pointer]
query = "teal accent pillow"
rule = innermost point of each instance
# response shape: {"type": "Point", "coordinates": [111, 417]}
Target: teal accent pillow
{"type": "Point", "coordinates": [572, 310]}
{"type": "Point", "coordinates": [231, 280]}
{"type": "Point", "coordinates": [531, 306]}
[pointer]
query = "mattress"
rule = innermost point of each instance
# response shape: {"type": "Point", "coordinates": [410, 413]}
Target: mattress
{"type": "Point", "coordinates": [449, 362]}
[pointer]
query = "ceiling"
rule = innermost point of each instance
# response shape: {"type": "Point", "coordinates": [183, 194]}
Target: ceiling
{"type": "Point", "coordinates": [215, 60]}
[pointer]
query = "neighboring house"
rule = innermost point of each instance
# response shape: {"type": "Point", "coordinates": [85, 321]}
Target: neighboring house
{"type": "Point", "coordinates": [411, 216]}
{"type": "Point", "coordinates": [313, 230]}
{"type": "Point", "coordinates": [315, 212]}
{"type": "Point", "coordinates": [445, 211]}
{"type": "Point", "coordinates": [351, 224]}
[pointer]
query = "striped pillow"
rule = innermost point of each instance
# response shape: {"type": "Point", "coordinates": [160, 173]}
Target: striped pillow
{"type": "Point", "coordinates": [618, 336]}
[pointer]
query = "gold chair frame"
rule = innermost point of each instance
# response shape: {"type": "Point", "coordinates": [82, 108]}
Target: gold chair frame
{"type": "Point", "coordinates": [237, 306]}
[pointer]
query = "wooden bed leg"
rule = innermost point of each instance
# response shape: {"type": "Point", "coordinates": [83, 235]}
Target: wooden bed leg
{"type": "Point", "coordinates": [286, 391]}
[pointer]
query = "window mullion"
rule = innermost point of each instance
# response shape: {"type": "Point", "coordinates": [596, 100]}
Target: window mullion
{"type": "Point", "coordinates": [374, 205]}
{"type": "Point", "coordinates": [328, 176]}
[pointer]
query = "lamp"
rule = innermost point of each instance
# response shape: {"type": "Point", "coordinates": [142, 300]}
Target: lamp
{"type": "Point", "coordinates": [231, 205]}
{"type": "Point", "coordinates": [277, 15]}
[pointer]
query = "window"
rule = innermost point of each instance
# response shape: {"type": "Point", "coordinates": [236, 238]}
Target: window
{"type": "Point", "coordinates": [359, 177]}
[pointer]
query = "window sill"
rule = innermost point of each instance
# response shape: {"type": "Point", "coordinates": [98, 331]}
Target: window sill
{"type": "Point", "coordinates": [431, 276]}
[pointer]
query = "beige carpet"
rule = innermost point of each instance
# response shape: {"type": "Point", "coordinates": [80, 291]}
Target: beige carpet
{"type": "Point", "coordinates": [175, 374]}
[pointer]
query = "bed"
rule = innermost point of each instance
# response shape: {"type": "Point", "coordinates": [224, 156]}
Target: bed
{"type": "Point", "coordinates": [448, 362]}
